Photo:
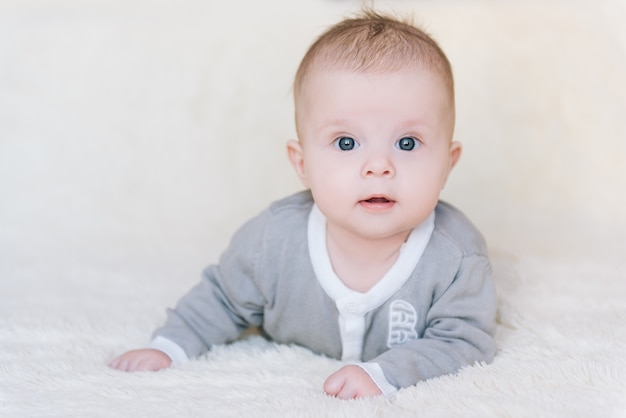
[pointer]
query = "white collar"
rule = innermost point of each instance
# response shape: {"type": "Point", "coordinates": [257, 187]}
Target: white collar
{"type": "Point", "coordinates": [350, 301]}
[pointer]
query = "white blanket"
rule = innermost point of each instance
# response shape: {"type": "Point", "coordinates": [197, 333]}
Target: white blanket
{"type": "Point", "coordinates": [135, 137]}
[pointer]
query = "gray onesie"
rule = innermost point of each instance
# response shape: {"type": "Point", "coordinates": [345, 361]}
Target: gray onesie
{"type": "Point", "coordinates": [432, 313]}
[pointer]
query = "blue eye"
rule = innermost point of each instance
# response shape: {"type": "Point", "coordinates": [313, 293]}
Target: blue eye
{"type": "Point", "coordinates": [407, 143]}
{"type": "Point", "coordinates": [345, 143]}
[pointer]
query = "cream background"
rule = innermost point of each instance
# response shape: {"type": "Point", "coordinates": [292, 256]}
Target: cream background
{"type": "Point", "coordinates": [133, 129]}
{"type": "Point", "coordinates": [136, 136]}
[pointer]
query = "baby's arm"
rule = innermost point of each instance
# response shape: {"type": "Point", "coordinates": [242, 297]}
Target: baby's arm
{"type": "Point", "coordinates": [147, 359]}
{"type": "Point", "coordinates": [351, 382]}
{"type": "Point", "coordinates": [459, 331]}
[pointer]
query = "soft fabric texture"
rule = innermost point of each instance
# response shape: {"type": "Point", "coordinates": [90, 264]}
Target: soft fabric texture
{"type": "Point", "coordinates": [135, 137]}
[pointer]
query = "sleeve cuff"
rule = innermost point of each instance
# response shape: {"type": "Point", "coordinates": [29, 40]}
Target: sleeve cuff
{"type": "Point", "coordinates": [375, 372]}
{"type": "Point", "coordinates": [169, 347]}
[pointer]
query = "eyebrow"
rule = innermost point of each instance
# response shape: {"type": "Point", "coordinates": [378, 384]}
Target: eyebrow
{"type": "Point", "coordinates": [333, 125]}
{"type": "Point", "coordinates": [340, 123]}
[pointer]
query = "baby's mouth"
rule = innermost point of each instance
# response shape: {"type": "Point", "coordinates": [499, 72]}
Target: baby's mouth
{"type": "Point", "coordinates": [377, 200]}
{"type": "Point", "coordinates": [377, 204]}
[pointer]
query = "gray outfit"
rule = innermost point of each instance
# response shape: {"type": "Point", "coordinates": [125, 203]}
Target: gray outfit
{"type": "Point", "coordinates": [265, 278]}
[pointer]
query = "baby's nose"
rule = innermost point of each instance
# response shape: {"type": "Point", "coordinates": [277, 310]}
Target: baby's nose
{"type": "Point", "coordinates": [379, 165]}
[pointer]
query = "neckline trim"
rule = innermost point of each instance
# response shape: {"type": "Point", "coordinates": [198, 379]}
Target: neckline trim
{"type": "Point", "coordinates": [350, 301]}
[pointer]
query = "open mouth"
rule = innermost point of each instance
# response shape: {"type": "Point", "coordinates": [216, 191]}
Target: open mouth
{"type": "Point", "coordinates": [377, 200]}
{"type": "Point", "coordinates": [377, 204]}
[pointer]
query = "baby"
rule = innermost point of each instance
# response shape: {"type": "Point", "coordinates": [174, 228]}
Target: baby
{"type": "Point", "coordinates": [367, 265]}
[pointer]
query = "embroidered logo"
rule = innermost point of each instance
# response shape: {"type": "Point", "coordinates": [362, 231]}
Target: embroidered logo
{"type": "Point", "coordinates": [402, 322]}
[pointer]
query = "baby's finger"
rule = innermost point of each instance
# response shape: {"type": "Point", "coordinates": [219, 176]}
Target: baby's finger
{"type": "Point", "coordinates": [119, 364]}
{"type": "Point", "coordinates": [334, 384]}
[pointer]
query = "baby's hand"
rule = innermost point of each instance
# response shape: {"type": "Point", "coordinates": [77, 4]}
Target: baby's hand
{"type": "Point", "coordinates": [351, 382]}
{"type": "Point", "coordinates": [147, 359]}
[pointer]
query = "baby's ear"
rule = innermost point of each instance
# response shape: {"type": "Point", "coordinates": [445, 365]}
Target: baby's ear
{"type": "Point", "coordinates": [296, 157]}
{"type": "Point", "coordinates": [455, 154]}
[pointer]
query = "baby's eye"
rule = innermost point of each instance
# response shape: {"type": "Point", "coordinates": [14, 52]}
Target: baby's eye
{"type": "Point", "coordinates": [407, 143]}
{"type": "Point", "coordinates": [345, 143]}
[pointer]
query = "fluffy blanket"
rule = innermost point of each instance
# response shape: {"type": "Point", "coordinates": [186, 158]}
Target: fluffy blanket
{"type": "Point", "coordinates": [135, 137]}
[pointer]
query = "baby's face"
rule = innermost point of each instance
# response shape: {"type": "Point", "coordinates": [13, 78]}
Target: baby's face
{"type": "Point", "coordinates": [374, 148]}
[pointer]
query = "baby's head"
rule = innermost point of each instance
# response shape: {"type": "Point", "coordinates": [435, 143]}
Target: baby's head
{"type": "Point", "coordinates": [374, 102]}
{"type": "Point", "coordinates": [374, 43]}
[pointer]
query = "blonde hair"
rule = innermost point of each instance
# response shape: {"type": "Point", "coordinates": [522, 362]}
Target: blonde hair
{"type": "Point", "coordinates": [373, 42]}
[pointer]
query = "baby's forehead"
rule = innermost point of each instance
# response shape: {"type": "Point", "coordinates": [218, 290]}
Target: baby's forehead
{"type": "Point", "coordinates": [419, 70]}
{"type": "Point", "coordinates": [310, 93]}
